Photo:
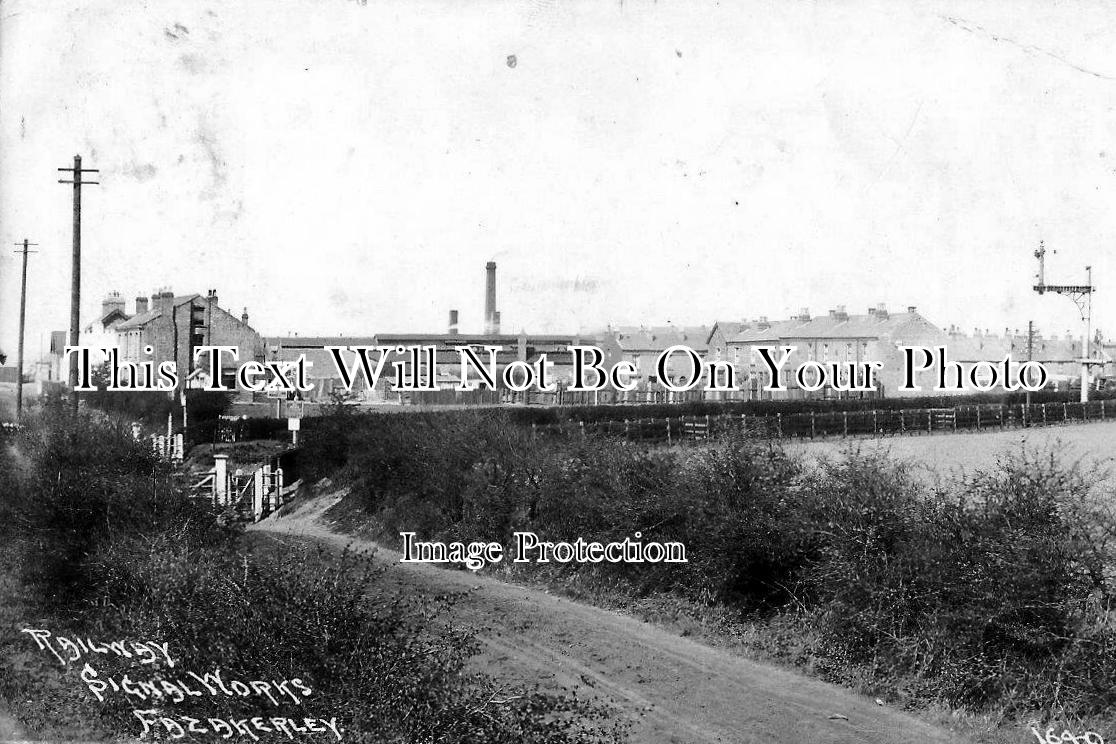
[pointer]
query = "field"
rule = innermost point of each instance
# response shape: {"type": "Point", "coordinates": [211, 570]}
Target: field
{"type": "Point", "coordinates": [947, 454]}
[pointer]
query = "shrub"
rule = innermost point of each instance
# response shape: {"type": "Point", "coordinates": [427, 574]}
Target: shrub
{"type": "Point", "coordinates": [118, 550]}
{"type": "Point", "coordinates": [374, 657]}
{"type": "Point", "coordinates": [995, 591]}
{"type": "Point", "coordinates": [983, 591]}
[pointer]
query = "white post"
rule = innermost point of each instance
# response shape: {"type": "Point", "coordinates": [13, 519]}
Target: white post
{"type": "Point", "coordinates": [221, 480]}
{"type": "Point", "coordinates": [269, 503]}
{"type": "Point", "coordinates": [259, 494]}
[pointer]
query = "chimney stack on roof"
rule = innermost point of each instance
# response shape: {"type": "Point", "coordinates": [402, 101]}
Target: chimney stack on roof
{"type": "Point", "coordinates": [881, 311]}
{"type": "Point", "coordinates": [141, 305]}
{"type": "Point", "coordinates": [453, 322]}
{"type": "Point", "coordinates": [113, 301]}
{"type": "Point", "coordinates": [841, 314]}
{"type": "Point", "coordinates": [162, 299]}
{"type": "Point", "coordinates": [912, 309]}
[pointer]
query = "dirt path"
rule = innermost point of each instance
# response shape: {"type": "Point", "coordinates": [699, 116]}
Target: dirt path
{"type": "Point", "coordinates": [674, 689]}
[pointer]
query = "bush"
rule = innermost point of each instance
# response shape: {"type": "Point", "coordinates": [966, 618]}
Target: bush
{"type": "Point", "coordinates": [89, 482]}
{"type": "Point", "coordinates": [369, 653]}
{"type": "Point", "coordinates": [983, 592]}
{"type": "Point", "coordinates": [992, 592]}
{"type": "Point", "coordinates": [118, 550]}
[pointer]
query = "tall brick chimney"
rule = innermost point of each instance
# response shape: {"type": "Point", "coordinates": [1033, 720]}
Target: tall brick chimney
{"type": "Point", "coordinates": [453, 322]}
{"type": "Point", "coordinates": [141, 305]}
{"type": "Point", "coordinates": [491, 317]}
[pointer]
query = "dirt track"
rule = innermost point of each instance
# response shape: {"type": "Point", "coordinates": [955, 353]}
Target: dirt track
{"type": "Point", "coordinates": [674, 689]}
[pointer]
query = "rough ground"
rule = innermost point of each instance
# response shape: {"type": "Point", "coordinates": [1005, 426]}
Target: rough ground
{"type": "Point", "coordinates": [674, 689]}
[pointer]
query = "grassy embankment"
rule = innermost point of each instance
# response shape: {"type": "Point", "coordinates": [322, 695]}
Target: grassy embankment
{"type": "Point", "coordinates": [989, 594]}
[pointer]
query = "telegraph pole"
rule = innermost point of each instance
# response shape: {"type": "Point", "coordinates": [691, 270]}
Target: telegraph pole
{"type": "Point", "coordinates": [1030, 352]}
{"type": "Point", "coordinates": [1082, 296]}
{"type": "Point", "coordinates": [75, 282]}
{"type": "Point", "coordinates": [22, 319]}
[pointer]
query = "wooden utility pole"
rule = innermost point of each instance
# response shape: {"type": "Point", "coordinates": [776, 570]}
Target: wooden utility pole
{"type": "Point", "coordinates": [22, 318]}
{"type": "Point", "coordinates": [75, 281]}
{"type": "Point", "coordinates": [1030, 352]}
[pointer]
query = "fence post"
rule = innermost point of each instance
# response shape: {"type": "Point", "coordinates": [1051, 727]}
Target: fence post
{"type": "Point", "coordinates": [220, 479]}
{"type": "Point", "coordinates": [845, 420]}
{"type": "Point", "coordinates": [625, 428]}
{"type": "Point", "coordinates": [708, 430]}
{"type": "Point", "coordinates": [668, 430]}
{"type": "Point", "coordinates": [875, 423]}
{"type": "Point", "coordinates": [258, 490]}
{"type": "Point", "coordinates": [929, 421]}
{"type": "Point", "coordinates": [779, 424]}
{"type": "Point", "coordinates": [1065, 412]}
{"type": "Point", "coordinates": [1043, 413]}
{"type": "Point", "coordinates": [813, 428]}
{"type": "Point", "coordinates": [978, 416]}
{"type": "Point", "coordinates": [268, 504]}
{"type": "Point", "coordinates": [581, 427]}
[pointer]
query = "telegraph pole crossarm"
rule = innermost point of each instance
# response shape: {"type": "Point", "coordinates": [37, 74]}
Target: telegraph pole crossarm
{"type": "Point", "coordinates": [26, 244]}
{"type": "Point", "coordinates": [75, 286]}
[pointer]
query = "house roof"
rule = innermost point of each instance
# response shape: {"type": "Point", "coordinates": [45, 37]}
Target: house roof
{"type": "Point", "coordinates": [889, 326]}
{"type": "Point", "coordinates": [659, 338]}
{"type": "Point", "coordinates": [112, 315]}
{"type": "Point", "coordinates": [727, 328]}
{"type": "Point", "coordinates": [994, 348]}
{"type": "Point", "coordinates": [139, 321]}
{"type": "Point", "coordinates": [765, 332]}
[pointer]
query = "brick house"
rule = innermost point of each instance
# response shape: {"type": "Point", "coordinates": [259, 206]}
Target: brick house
{"type": "Point", "coordinates": [174, 325]}
{"type": "Point", "coordinates": [838, 337]}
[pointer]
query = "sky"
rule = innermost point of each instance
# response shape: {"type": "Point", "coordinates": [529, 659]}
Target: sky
{"type": "Point", "coordinates": [339, 167]}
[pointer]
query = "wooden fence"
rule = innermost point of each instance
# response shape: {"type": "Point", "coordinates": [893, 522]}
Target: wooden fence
{"type": "Point", "coordinates": [822, 424]}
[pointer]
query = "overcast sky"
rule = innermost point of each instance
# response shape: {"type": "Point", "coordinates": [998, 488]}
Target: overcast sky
{"type": "Point", "coordinates": [345, 168]}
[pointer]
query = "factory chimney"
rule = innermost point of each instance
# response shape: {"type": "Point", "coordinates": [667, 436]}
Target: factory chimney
{"type": "Point", "coordinates": [453, 323]}
{"type": "Point", "coordinates": [491, 317]}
